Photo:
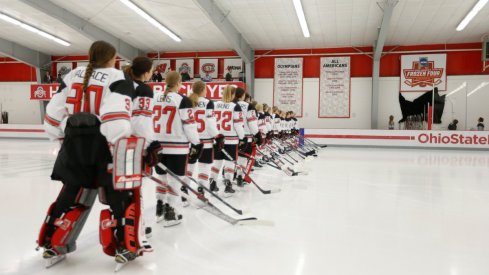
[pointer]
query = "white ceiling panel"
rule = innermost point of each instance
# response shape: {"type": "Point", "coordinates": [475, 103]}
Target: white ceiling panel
{"type": "Point", "coordinates": [265, 24]}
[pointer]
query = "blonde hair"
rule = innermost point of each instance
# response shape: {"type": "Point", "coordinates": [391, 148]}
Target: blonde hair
{"type": "Point", "coordinates": [259, 107]}
{"type": "Point", "coordinates": [172, 80]}
{"type": "Point", "coordinates": [275, 109]}
{"type": "Point", "coordinates": [228, 93]}
{"type": "Point", "coordinates": [265, 107]}
{"type": "Point", "coordinates": [198, 88]}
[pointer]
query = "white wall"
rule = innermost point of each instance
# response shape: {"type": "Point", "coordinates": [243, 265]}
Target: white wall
{"type": "Point", "coordinates": [465, 109]}
{"type": "Point", "coordinates": [15, 99]}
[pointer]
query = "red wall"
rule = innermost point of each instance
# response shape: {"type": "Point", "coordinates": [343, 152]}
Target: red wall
{"type": "Point", "coordinates": [15, 72]}
{"type": "Point", "coordinates": [459, 62]}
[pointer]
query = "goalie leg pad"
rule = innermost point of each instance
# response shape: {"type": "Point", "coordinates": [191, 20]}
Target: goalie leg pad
{"type": "Point", "coordinates": [107, 226]}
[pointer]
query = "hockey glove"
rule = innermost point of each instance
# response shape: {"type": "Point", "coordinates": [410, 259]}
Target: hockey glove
{"type": "Point", "coordinates": [219, 145]}
{"type": "Point", "coordinates": [243, 144]}
{"type": "Point", "coordinates": [151, 157]}
{"type": "Point", "coordinates": [258, 139]}
{"type": "Point", "coordinates": [195, 152]}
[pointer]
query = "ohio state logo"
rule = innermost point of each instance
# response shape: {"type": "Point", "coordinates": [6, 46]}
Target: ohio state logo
{"type": "Point", "coordinates": [40, 92]}
{"type": "Point", "coordinates": [423, 73]}
{"type": "Point", "coordinates": [208, 68]}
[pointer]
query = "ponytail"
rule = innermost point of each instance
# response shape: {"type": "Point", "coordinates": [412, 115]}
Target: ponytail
{"type": "Point", "coordinates": [172, 79]}
{"type": "Point", "coordinates": [198, 88]}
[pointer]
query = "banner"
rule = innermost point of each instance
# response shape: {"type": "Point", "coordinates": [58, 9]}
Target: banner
{"type": "Point", "coordinates": [334, 87]}
{"type": "Point", "coordinates": [422, 72]}
{"type": "Point", "coordinates": [233, 65]}
{"type": "Point", "coordinates": [208, 66]}
{"type": "Point", "coordinates": [185, 65]}
{"type": "Point", "coordinates": [162, 66]}
{"type": "Point", "coordinates": [81, 64]}
{"type": "Point", "coordinates": [287, 85]}
{"type": "Point", "coordinates": [63, 68]}
{"type": "Point", "coordinates": [214, 89]}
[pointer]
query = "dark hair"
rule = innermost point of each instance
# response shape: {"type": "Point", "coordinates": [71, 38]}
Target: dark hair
{"type": "Point", "coordinates": [238, 94]}
{"type": "Point", "coordinates": [247, 97]}
{"type": "Point", "coordinates": [99, 54]}
{"type": "Point", "coordinates": [481, 119]}
{"type": "Point", "coordinates": [140, 65]}
{"type": "Point", "coordinates": [455, 121]}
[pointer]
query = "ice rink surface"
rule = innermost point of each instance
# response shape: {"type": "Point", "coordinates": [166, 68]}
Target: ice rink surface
{"type": "Point", "coordinates": [359, 211]}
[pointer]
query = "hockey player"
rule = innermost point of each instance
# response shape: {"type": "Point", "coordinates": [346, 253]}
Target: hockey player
{"type": "Point", "coordinates": [250, 122]}
{"type": "Point", "coordinates": [175, 128]}
{"type": "Point", "coordinates": [90, 111]}
{"type": "Point", "coordinates": [230, 123]}
{"type": "Point", "coordinates": [208, 133]}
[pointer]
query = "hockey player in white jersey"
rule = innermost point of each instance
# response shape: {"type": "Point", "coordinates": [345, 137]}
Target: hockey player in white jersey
{"type": "Point", "coordinates": [90, 111]}
{"type": "Point", "coordinates": [175, 128]}
{"type": "Point", "coordinates": [208, 133]}
{"type": "Point", "coordinates": [250, 123]}
{"type": "Point", "coordinates": [230, 123]}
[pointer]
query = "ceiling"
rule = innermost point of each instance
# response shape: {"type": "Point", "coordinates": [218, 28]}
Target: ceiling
{"type": "Point", "coordinates": [265, 24]}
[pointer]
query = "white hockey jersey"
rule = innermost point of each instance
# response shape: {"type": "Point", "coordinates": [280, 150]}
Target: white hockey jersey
{"type": "Point", "coordinates": [174, 123]}
{"type": "Point", "coordinates": [142, 112]}
{"type": "Point", "coordinates": [268, 122]}
{"type": "Point", "coordinates": [277, 123]}
{"type": "Point", "coordinates": [109, 96]}
{"type": "Point", "coordinates": [229, 121]}
{"type": "Point", "coordinates": [250, 121]}
{"type": "Point", "coordinates": [206, 122]}
{"type": "Point", "coordinates": [262, 127]}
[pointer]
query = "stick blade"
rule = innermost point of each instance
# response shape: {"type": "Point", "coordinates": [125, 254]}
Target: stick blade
{"type": "Point", "coordinates": [255, 222]}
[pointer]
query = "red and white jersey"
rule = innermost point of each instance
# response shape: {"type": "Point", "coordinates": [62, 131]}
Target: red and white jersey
{"type": "Point", "coordinates": [108, 95]}
{"type": "Point", "coordinates": [174, 123]}
{"type": "Point", "coordinates": [229, 121]}
{"type": "Point", "coordinates": [206, 122]}
{"type": "Point", "coordinates": [277, 123]}
{"type": "Point", "coordinates": [295, 123]}
{"type": "Point", "coordinates": [250, 121]}
{"type": "Point", "coordinates": [142, 112]}
{"type": "Point", "coordinates": [269, 122]}
{"type": "Point", "coordinates": [262, 127]}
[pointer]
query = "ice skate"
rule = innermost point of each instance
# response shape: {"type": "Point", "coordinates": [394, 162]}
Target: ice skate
{"type": "Point", "coordinates": [122, 257]}
{"type": "Point", "coordinates": [52, 257]}
{"type": "Point", "coordinates": [228, 191]}
{"type": "Point", "coordinates": [170, 217]}
{"type": "Point", "coordinates": [159, 211]}
{"type": "Point", "coordinates": [185, 202]}
{"type": "Point", "coordinates": [213, 186]}
{"type": "Point", "coordinates": [240, 181]}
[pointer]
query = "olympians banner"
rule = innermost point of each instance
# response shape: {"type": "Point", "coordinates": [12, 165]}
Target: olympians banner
{"type": "Point", "coordinates": [287, 85]}
{"type": "Point", "coordinates": [185, 65]}
{"type": "Point", "coordinates": [233, 65]}
{"type": "Point", "coordinates": [208, 66]}
{"type": "Point", "coordinates": [423, 72]}
{"type": "Point", "coordinates": [334, 87]}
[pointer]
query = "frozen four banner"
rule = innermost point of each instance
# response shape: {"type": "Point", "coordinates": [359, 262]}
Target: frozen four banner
{"type": "Point", "coordinates": [287, 84]}
{"type": "Point", "coordinates": [422, 72]}
{"type": "Point", "coordinates": [334, 87]}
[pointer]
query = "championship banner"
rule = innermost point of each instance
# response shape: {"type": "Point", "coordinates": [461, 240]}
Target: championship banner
{"type": "Point", "coordinates": [334, 87]}
{"type": "Point", "coordinates": [208, 66]}
{"type": "Point", "coordinates": [420, 73]}
{"type": "Point", "coordinates": [234, 65]}
{"type": "Point", "coordinates": [214, 89]}
{"type": "Point", "coordinates": [162, 66]}
{"type": "Point", "coordinates": [287, 85]}
{"type": "Point", "coordinates": [185, 65]}
{"type": "Point", "coordinates": [63, 68]}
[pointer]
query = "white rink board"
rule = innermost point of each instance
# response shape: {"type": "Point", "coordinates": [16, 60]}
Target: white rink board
{"type": "Point", "coordinates": [396, 138]}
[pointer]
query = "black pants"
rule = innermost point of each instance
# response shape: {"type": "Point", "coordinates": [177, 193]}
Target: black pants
{"type": "Point", "coordinates": [231, 149]}
{"type": "Point", "coordinates": [175, 163]}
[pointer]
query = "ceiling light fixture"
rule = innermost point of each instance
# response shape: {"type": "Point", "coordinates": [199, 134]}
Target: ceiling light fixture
{"type": "Point", "coordinates": [150, 19]}
{"type": "Point", "coordinates": [472, 13]}
{"type": "Point", "coordinates": [302, 18]}
{"type": "Point", "coordinates": [11, 20]}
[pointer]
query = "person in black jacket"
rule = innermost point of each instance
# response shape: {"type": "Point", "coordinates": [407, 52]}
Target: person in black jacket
{"type": "Point", "coordinates": [156, 77]}
{"type": "Point", "coordinates": [453, 126]}
{"type": "Point", "coordinates": [480, 124]}
{"type": "Point", "coordinates": [229, 76]}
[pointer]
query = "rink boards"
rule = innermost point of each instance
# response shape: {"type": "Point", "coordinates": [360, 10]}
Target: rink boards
{"type": "Point", "coordinates": [343, 137]}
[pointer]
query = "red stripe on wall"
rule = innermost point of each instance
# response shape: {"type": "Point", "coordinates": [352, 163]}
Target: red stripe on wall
{"type": "Point", "coordinates": [359, 137]}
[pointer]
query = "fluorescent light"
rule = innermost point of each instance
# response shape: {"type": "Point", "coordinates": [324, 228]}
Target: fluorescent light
{"type": "Point", "coordinates": [459, 88]}
{"type": "Point", "coordinates": [482, 85]}
{"type": "Point", "coordinates": [150, 19]}
{"type": "Point", "coordinates": [30, 28]}
{"type": "Point", "coordinates": [302, 17]}
{"type": "Point", "coordinates": [471, 14]}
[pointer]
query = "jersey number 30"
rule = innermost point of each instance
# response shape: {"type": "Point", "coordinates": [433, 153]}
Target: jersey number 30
{"type": "Point", "coordinates": [93, 100]}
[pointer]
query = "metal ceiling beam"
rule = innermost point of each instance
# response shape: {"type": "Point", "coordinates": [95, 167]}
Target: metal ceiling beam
{"type": "Point", "coordinates": [24, 54]}
{"type": "Point", "coordinates": [84, 27]}
{"type": "Point", "coordinates": [240, 45]}
{"type": "Point", "coordinates": [388, 8]}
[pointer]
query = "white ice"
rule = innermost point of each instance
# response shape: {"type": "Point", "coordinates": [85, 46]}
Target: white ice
{"type": "Point", "coordinates": [359, 211]}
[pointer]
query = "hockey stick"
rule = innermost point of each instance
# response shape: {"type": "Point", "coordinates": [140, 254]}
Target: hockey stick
{"type": "Point", "coordinates": [216, 196]}
{"type": "Point", "coordinates": [248, 177]}
{"type": "Point", "coordinates": [209, 207]}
